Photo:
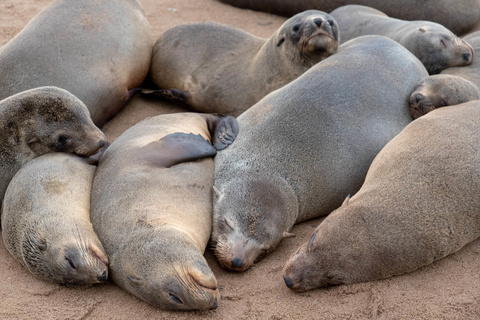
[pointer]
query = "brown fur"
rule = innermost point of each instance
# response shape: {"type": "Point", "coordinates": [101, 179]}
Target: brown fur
{"type": "Point", "coordinates": [226, 70]}
{"type": "Point", "coordinates": [151, 208]}
{"type": "Point", "coordinates": [304, 147]}
{"type": "Point", "coordinates": [458, 16]}
{"type": "Point", "coordinates": [436, 46]}
{"type": "Point", "coordinates": [97, 50]}
{"type": "Point", "coordinates": [419, 203]}
{"type": "Point", "coordinates": [39, 121]}
{"type": "Point", "coordinates": [46, 221]}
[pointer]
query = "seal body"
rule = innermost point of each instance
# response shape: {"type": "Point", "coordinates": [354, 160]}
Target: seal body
{"type": "Point", "coordinates": [453, 86]}
{"type": "Point", "coordinates": [223, 69]}
{"type": "Point", "coordinates": [46, 221]}
{"type": "Point", "coordinates": [44, 120]}
{"type": "Point", "coordinates": [436, 46]}
{"type": "Point", "coordinates": [418, 204]}
{"type": "Point", "coordinates": [152, 208]}
{"type": "Point", "coordinates": [458, 16]}
{"type": "Point", "coordinates": [97, 50]}
{"type": "Point", "coordinates": [304, 147]}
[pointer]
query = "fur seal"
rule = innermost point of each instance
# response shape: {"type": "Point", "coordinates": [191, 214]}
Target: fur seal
{"type": "Point", "coordinates": [44, 120]}
{"type": "Point", "coordinates": [152, 208]}
{"type": "Point", "coordinates": [221, 69]}
{"type": "Point", "coordinates": [453, 86]}
{"type": "Point", "coordinates": [304, 147]}
{"type": "Point", "coordinates": [436, 46]}
{"type": "Point", "coordinates": [97, 50]}
{"type": "Point", "coordinates": [458, 16]}
{"type": "Point", "coordinates": [46, 221]}
{"type": "Point", "coordinates": [441, 90]}
{"type": "Point", "coordinates": [419, 203]}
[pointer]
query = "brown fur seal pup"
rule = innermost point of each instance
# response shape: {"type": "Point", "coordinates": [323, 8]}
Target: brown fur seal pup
{"type": "Point", "coordinates": [97, 50]}
{"type": "Point", "coordinates": [304, 147]}
{"type": "Point", "coordinates": [46, 221]}
{"type": "Point", "coordinates": [419, 203]}
{"type": "Point", "coordinates": [458, 16]}
{"type": "Point", "coordinates": [441, 90]}
{"type": "Point", "coordinates": [152, 208]}
{"type": "Point", "coordinates": [218, 68]}
{"type": "Point", "coordinates": [454, 86]}
{"type": "Point", "coordinates": [43, 120]}
{"type": "Point", "coordinates": [436, 46]}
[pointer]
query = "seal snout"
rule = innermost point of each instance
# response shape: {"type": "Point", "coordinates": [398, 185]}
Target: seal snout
{"type": "Point", "coordinates": [237, 263]}
{"type": "Point", "coordinates": [288, 282]}
{"type": "Point", "coordinates": [103, 277]}
{"type": "Point", "coordinates": [215, 304]}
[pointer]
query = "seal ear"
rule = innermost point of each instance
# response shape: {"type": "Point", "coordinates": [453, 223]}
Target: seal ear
{"type": "Point", "coordinates": [280, 41]}
{"type": "Point", "coordinates": [345, 202]}
{"type": "Point", "coordinates": [288, 234]}
{"type": "Point", "coordinates": [41, 244]}
{"type": "Point", "coordinates": [176, 148]}
{"type": "Point", "coordinates": [422, 29]}
{"type": "Point", "coordinates": [217, 193]}
{"type": "Point", "coordinates": [223, 130]}
{"type": "Point", "coordinates": [33, 140]}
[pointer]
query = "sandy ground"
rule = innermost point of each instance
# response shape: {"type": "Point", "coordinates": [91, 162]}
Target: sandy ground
{"type": "Point", "coordinates": [447, 289]}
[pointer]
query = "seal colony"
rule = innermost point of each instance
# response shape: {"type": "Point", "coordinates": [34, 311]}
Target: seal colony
{"type": "Point", "coordinates": [436, 46]}
{"type": "Point", "coordinates": [40, 121]}
{"type": "Point", "coordinates": [418, 204]}
{"type": "Point", "coordinates": [46, 221]}
{"type": "Point", "coordinates": [97, 50]}
{"type": "Point", "coordinates": [330, 123]}
{"type": "Point", "coordinates": [221, 69]}
{"type": "Point", "coordinates": [152, 204]}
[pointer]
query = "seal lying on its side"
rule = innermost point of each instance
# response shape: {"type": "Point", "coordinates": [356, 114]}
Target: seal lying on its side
{"type": "Point", "coordinates": [458, 16]}
{"type": "Point", "coordinates": [97, 50]}
{"type": "Point", "coordinates": [46, 221]}
{"type": "Point", "coordinates": [218, 68]}
{"type": "Point", "coordinates": [304, 147]}
{"type": "Point", "coordinates": [43, 120]}
{"type": "Point", "coordinates": [152, 208]}
{"type": "Point", "coordinates": [436, 46]}
{"type": "Point", "coordinates": [419, 203]}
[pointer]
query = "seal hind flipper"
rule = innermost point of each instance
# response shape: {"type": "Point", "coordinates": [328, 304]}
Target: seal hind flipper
{"type": "Point", "coordinates": [223, 129]}
{"type": "Point", "coordinates": [176, 148]}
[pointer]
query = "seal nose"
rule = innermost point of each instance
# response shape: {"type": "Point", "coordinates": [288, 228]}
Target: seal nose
{"type": "Point", "coordinates": [237, 262]}
{"type": "Point", "coordinates": [467, 57]}
{"type": "Point", "coordinates": [101, 144]}
{"type": "Point", "coordinates": [318, 22]}
{"type": "Point", "coordinates": [215, 304]}
{"type": "Point", "coordinates": [288, 282]}
{"type": "Point", "coordinates": [103, 277]}
{"type": "Point", "coordinates": [416, 97]}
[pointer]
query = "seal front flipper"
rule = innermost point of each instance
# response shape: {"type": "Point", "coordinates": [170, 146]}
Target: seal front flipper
{"type": "Point", "coordinates": [176, 148]}
{"type": "Point", "coordinates": [223, 129]}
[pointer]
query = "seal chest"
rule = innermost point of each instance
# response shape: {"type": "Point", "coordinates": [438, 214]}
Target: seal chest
{"type": "Point", "coordinates": [191, 65]}
{"type": "Point", "coordinates": [46, 221]}
{"type": "Point", "coordinates": [151, 207]}
{"type": "Point", "coordinates": [418, 204]}
{"type": "Point", "coordinates": [304, 147]}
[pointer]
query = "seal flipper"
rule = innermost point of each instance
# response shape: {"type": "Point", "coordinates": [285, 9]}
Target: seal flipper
{"type": "Point", "coordinates": [223, 130]}
{"type": "Point", "coordinates": [176, 148]}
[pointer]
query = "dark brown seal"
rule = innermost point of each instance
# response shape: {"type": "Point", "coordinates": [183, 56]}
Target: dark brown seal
{"type": "Point", "coordinates": [43, 120]}
{"type": "Point", "coordinates": [46, 221]}
{"type": "Point", "coordinates": [436, 46]}
{"type": "Point", "coordinates": [304, 147]}
{"type": "Point", "coordinates": [218, 68]}
{"type": "Point", "coordinates": [97, 50]}
{"type": "Point", "coordinates": [459, 16]}
{"type": "Point", "coordinates": [419, 203]}
{"type": "Point", "coordinates": [152, 208]}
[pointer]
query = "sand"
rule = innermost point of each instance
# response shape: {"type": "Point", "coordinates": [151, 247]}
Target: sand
{"type": "Point", "coordinates": [447, 289]}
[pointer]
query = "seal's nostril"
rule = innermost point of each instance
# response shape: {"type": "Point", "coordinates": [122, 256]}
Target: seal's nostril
{"type": "Point", "coordinates": [466, 57]}
{"type": "Point", "coordinates": [418, 97]}
{"type": "Point", "coordinates": [215, 304]}
{"type": "Point", "coordinates": [103, 277]}
{"type": "Point", "coordinates": [101, 144]}
{"type": "Point", "coordinates": [288, 282]}
{"type": "Point", "coordinates": [237, 262]}
{"type": "Point", "coordinates": [318, 22]}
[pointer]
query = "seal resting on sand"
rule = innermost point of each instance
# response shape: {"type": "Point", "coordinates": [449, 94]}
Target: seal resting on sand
{"type": "Point", "coordinates": [46, 221]}
{"type": "Point", "coordinates": [436, 46]}
{"type": "Point", "coordinates": [419, 203]}
{"type": "Point", "coordinates": [221, 69]}
{"type": "Point", "coordinates": [44, 120]}
{"type": "Point", "coordinates": [152, 208]}
{"type": "Point", "coordinates": [97, 50]}
{"type": "Point", "coordinates": [304, 147]}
